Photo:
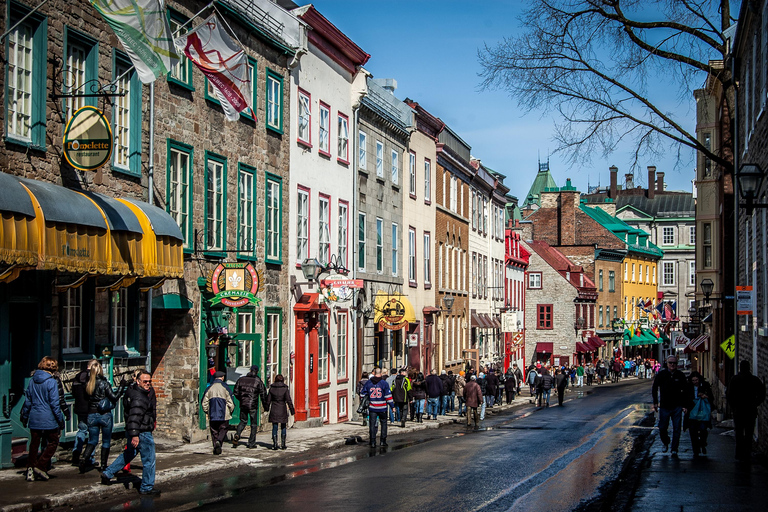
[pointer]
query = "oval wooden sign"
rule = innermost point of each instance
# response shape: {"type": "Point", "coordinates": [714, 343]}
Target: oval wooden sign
{"type": "Point", "coordinates": [88, 139]}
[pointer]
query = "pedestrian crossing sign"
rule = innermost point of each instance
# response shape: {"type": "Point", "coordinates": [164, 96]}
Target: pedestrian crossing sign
{"type": "Point", "coordinates": [729, 346]}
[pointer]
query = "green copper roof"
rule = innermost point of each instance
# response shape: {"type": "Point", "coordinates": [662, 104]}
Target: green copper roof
{"type": "Point", "coordinates": [542, 181]}
{"type": "Point", "coordinates": [637, 240]}
{"type": "Point", "coordinates": [512, 211]}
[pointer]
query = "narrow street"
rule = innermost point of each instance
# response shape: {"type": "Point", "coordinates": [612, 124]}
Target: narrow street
{"type": "Point", "coordinates": [554, 457]}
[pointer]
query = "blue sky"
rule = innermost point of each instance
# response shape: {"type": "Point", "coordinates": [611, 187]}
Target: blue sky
{"type": "Point", "coordinates": [430, 49]}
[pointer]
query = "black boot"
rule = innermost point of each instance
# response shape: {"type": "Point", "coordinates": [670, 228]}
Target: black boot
{"type": "Point", "coordinates": [76, 457]}
{"type": "Point", "coordinates": [384, 441]}
{"type": "Point", "coordinates": [274, 442]}
{"type": "Point", "coordinates": [104, 458]}
{"type": "Point", "coordinates": [85, 458]}
{"type": "Point", "coordinates": [402, 423]}
{"type": "Point", "coordinates": [282, 441]}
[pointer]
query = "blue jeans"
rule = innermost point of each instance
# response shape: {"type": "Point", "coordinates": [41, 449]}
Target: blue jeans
{"type": "Point", "coordinates": [82, 434]}
{"type": "Point", "coordinates": [372, 426]}
{"type": "Point", "coordinates": [146, 449]}
{"type": "Point", "coordinates": [545, 395]}
{"type": "Point", "coordinates": [676, 414]}
{"type": "Point", "coordinates": [461, 404]}
{"type": "Point", "coordinates": [432, 406]}
{"type": "Point", "coordinates": [489, 400]}
{"type": "Point", "coordinates": [283, 429]}
{"type": "Point", "coordinates": [482, 410]}
{"type": "Point", "coordinates": [444, 401]}
{"type": "Point", "coordinates": [419, 405]}
{"type": "Point", "coordinates": [453, 400]}
{"type": "Point", "coordinates": [100, 422]}
{"type": "Point", "coordinates": [394, 414]}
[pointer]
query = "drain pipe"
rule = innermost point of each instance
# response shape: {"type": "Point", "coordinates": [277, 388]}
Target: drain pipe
{"type": "Point", "coordinates": [150, 200]}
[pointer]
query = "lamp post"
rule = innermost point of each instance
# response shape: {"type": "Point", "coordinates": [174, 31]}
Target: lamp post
{"type": "Point", "coordinates": [707, 286]}
{"type": "Point", "coordinates": [750, 178]}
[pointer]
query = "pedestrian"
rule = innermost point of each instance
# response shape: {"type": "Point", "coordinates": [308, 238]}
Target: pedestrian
{"type": "Point", "coordinates": [744, 393]}
{"type": "Point", "coordinates": [434, 392]}
{"type": "Point", "coordinates": [473, 396]}
{"type": "Point", "coordinates": [140, 411]}
{"type": "Point", "coordinates": [491, 385]}
{"type": "Point", "coordinates": [42, 414]}
{"type": "Point", "coordinates": [531, 380]}
{"type": "Point", "coordinates": [580, 375]}
{"type": "Point", "coordinates": [378, 392]}
{"type": "Point", "coordinates": [401, 388]}
{"type": "Point", "coordinates": [547, 383]}
{"type": "Point", "coordinates": [218, 405]}
{"type": "Point", "coordinates": [81, 409]}
{"type": "Point", "coordinates": [458, 390]}
{"type": "Point", "coordinates": [510, 385]}
{"type": "Point", "coordinates": [445, 394]}
{"type": "Point", "coordinates": [518, 377]}
{"type": "Point", "coordinates": [697, 427]}
{"type": "Point", "coordinates": [590, 371]}
{"type": "Point", "coordinates": [483, 383]}
{"type": "Point", "coordinates": [670, 399]}
{"type": "Point", "coordinates": [561, 382]}
{"type": "Point", "coordinates": [248, 390]}
{"type": "Point", "coordinates": [101, 401]}
{"type": "Point", "coordinates": [419, 393]}
{"type": "Point", "coordinates": [360, 384]}
{"type": "Point", "coordinates": [279, 403]}
{"type": "Point", "coordinates": [390, 378]}
{"type": "Point", "coordinates": [451, 387]}
{"type": "Point", "coordinates": [617, 367]}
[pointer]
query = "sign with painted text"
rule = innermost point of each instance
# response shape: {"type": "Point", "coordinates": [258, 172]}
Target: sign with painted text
{"type": "Point", "coordinates": [88, 139]}
{"type": "Point", "coordinates": [744, 300]}
{"type": "Point", "coordinates": [339, 290]}
{"type": "Point", "coordinates": [234, 284]}
{"type": "Point", "coordinates": [509, 322]}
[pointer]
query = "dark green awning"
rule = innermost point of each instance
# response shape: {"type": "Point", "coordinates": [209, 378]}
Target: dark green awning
{"type": "Point", "coordinates": [171, 301]}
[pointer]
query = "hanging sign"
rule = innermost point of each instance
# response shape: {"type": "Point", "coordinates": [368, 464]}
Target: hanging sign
{"type": "Point", "coordinates": [235, 284]}
{"type": "Point", "coordinates": [517, 338]}
{"type": "Point", "coordinates": [339, 290]}
{"type": "Point", "coordinates": [393, 315]}
{"type": "Point", "coordinates": [88, 139]}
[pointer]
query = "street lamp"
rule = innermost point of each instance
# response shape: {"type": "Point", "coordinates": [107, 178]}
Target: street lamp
{"type": "Point", "coordinates": [750, 178]}
{"type": "Point", "coordinates": [311, 268]}
{"type": "Point", "coordinates": [707, 286]}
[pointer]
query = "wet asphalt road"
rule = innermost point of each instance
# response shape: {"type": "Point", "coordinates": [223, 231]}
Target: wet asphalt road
{"type": "Point", "coordinates": [533, 458]}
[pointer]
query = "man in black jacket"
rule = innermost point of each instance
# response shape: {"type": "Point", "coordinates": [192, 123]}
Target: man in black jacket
{"type": "Point", "coordinates": [672, 385]}
{"type": "Point", "coordinates": [745, 393]}
{"type": "Point", "coordinates": [140, 409]}
{"type": "Point", "coordinates": [248, 390]}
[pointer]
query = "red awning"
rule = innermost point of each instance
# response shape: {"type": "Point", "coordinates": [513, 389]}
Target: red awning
{"type": "Point", "coordinates": [308, 302]}
{"type": "Point", "coordinates": [476, 322]}
{"type": "Point", "coordinates": [429, 310]}
{"type": "Point", "coordinates": [544, 348]}
{"type": "Point", "coordinates": [582, 347]}
{"type": "Point", "coordinates": [698, 344]}
{"type": "Point", "coordinates": [596, 341]}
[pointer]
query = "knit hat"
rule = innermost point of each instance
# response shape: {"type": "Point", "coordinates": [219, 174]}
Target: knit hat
{"type": "Point", "coordinates": [255, 368]}
{"type": "Point", "coordinates": [474, 377]}
{"type": "Point", "coordinates": [461, 373]}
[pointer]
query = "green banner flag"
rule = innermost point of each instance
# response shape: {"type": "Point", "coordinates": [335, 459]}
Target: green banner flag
{"type": "Point", "coordinates": [143, 29]}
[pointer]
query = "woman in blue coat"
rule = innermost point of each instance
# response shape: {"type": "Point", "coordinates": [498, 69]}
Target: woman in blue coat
{"type": "Point", "coordinates": [42, 413]}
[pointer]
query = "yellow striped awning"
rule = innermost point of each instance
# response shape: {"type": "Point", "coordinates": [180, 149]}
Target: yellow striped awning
{"type": "Point", "coordinates": [49, 227]}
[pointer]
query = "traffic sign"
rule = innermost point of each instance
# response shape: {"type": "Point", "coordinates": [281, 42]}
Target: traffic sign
{"type": "Point", "coordinates": [729, 346]}
{"type": "Point", "coordinates": [743, 300]}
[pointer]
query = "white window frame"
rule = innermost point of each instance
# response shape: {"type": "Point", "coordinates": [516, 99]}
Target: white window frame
{"type": "Point", "coordinates": [427, 180]}
{"type": "Point", "coordinates": [273, 249]}
{"type": "Point", "coordinates": [122, 116]}
{"type": "Point", "coordinates": [395, 166]}
{"type": "Point", "coordinates": [411, 255]}
{"type": "Point", "coordinates": [180, 172]}
{"type": "Point", "coordinates": [671, 274]}
{"type": "Point", "coordinates": [323, 349]}
{"type": "Point", "coordinates": [343, 229]}
{"type": "Point", "coordinates": [412, 173]}
{"type": "Point", "coordinates": [20, 43]}
{"type": "Point", "coordinates": [246, 222]}
{"type": "Point", "coordinates": [667, 235]}
{"type": "Point", "coordinates": [534, 280]}
{"type": "Point", "coordinates": [216, 206]}
{"type": "Point", "coordinates": [362, 150]}
{"type": "Point", "coordinates": [379, 159]}
{"type": "Point", "coordinates": [691, 272]}
{"type": "Point", "coordinates": [324, 137]}
{"type": "Point", "coordinates": [273, 344]}
{"type": "Point", "coordinates": [77, 56]}
{"type": "Point", "coordinates": [341, 346]}
{"type": "Point", "coordinates": [274, 102]}
{"type": "Point", "coordinates": [395, 247]}
{"type": "Point", "coordinates": [692, 229]}
{"type": "Point", "coordinates": [427, 258]}
{"type": "Point", "coordinates": [72, 320]}
{"type": "Point", "coordinates": [245, 325]}
{"type": "Point", "coordinates": [119, 317]}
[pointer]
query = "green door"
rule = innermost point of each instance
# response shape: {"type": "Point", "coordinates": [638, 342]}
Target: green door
{"type": "Point", "coordinates": [247, 349]}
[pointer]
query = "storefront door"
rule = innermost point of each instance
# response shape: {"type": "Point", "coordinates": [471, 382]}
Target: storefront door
{"type": "Point", "coordinates": [246, 351]}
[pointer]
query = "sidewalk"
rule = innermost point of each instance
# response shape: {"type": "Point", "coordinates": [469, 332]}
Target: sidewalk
{"type": "Point", "coordinates": [713, 482]}
{"type": "Point", "coordinates": [176, 462]}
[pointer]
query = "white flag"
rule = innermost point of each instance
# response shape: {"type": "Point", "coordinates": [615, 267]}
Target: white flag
{"type": "Point", "coordinates": [142, 28]}
{"type": "Point", "coordinates": [223, 62]}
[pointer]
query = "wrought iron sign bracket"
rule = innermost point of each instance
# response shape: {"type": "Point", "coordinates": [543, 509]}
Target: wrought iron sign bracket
{"type": "Point", "coordinates": [89, 89]}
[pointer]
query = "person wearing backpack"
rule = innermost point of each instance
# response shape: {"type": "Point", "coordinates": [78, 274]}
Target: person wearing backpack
{"type": "Point", "coordinates": [401, 388]}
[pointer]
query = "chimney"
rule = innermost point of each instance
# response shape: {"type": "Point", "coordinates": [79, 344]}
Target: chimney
{"type": "Point", "coordinates": [660, 183]}
{"type": "Point", "coordinates": [569, 203]}
{"type": "Point", "coordinates": [651, 181]}
{"type": "Point", "coordinates": [614, 173]}
{"type": "Point", "coordinates": [629, 181]}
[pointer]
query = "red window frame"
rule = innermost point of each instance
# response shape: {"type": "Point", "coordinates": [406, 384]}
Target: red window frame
{"type": "Point", "coordinates": [544, 317]}
{"type": "Point", "coordinates": [344, 159]}
{"type": "Point", "coordinates": [343, 313]}
{"type": "Point", "coordinates": [326, 197]}
{"type": "Point", "coordinates": [327, 107]}
{"type": "Point", "coordinates": [306, 143]}
{"type": "Point", "coordinates": [346, 244]}
{"type": "Point", "coordinates": [340, 418]}
{"type": "Point", "coordinates": [413, 283]}
{"type": "Point", "coordinates": [325, 397]}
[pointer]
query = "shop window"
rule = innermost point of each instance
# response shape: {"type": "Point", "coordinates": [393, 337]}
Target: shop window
{"type": "Point", "coordinates": [25, 86]}
{"type": "Point", "coordinates": [72, 320]}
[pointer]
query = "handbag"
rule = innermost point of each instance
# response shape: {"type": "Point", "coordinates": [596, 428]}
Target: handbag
{"type": "Point", "coordinates": [701, 411]}
{"type": "Point", "coordinates": [105, 405]}
{"type": "Point", "coordinates": [364, 402]}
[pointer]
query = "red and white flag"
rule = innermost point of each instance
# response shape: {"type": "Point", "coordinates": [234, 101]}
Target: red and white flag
{"type": "Point", "coordinates": [223, 62]}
